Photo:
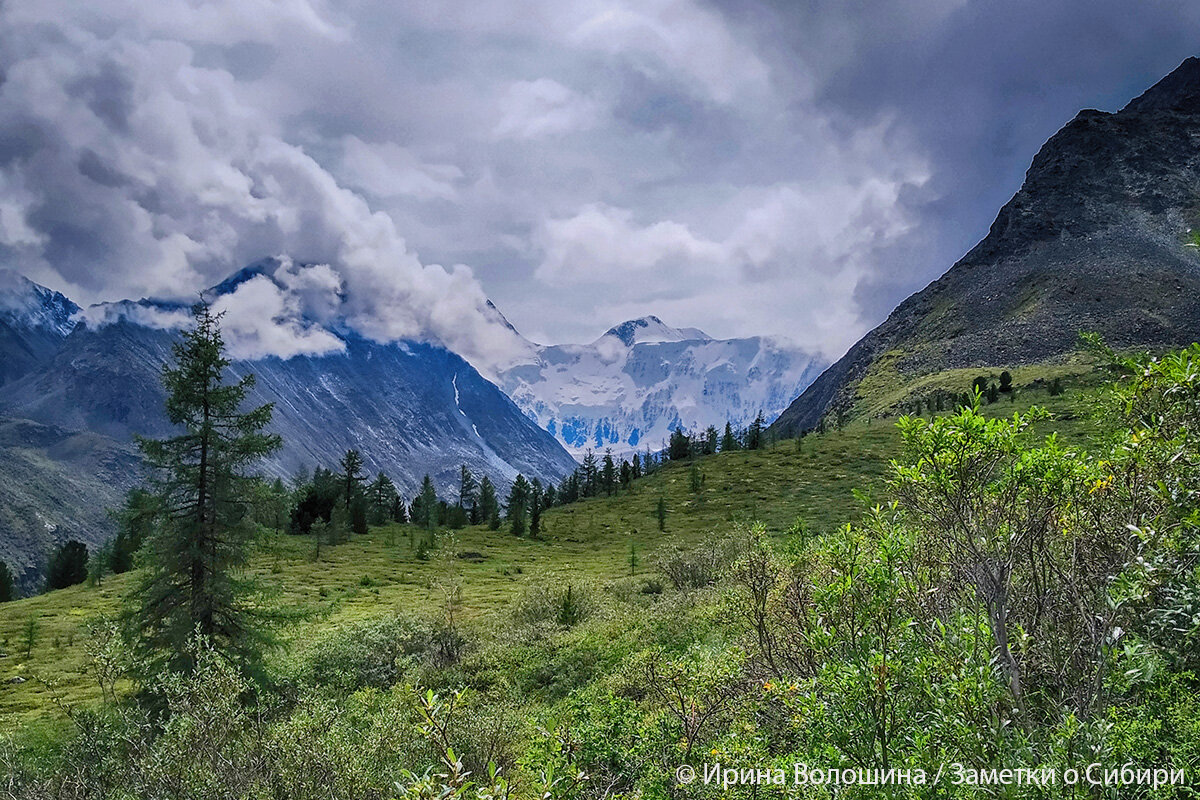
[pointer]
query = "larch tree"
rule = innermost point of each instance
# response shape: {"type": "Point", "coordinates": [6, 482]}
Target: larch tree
{"type": "Point", "coordinates": [195, 580]}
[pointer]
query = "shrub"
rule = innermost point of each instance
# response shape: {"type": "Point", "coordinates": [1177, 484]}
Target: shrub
{"type": "Point", "coordinates": [700, 566]}
{"type": "Point", "coordinates": [565, 605]}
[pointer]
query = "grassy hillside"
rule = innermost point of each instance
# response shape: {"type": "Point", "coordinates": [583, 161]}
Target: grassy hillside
{"type": "Point", "coordinates": [590, 542]}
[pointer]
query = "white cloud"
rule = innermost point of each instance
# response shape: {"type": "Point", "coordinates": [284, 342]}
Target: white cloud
{"type": "Point", "coordinates": [601, 243]}
{"type": "Point", "coordinates": [544, 107]}
{"type": "Point", "coordinates": [386, 169]}
{"type": "Point", "coordinates": [149, 175]}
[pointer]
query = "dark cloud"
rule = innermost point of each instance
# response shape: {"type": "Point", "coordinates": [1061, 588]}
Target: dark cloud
{"type": "Point", "coordinates": [744, 166]}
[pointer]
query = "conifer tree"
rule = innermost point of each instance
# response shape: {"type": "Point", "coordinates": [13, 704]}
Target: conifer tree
{"type": "Point", "coordinates": [518, 497]}
{"type": "Point", "coordinates": [8, 588]}
{"type": "Point", "coordinates": [351, 475]}
{"type": "Point", "coordinates": [754, 436]}
{"type": "Point", "coordinates": [467, 487]}
{"type": "Point", "coordinates": [427, 516]}
{"type": "Point", "coordinates": [536, 503]}
{"type": "Point", "coordinates": [729, 442]}
{"type": "Point", "coordinates": [382, 494]}
{"type": "Point", "coordinates": [680, 446]}
{"type": "Point", "coordinates": [608, 474]}
{"type": "Point", "coordinates": [590, 473]}
{"type": "Point", "coordinates": [660, 512]}
{"type": "Point", "coordinates": [488, 506]}
{"type": "Point", "coordinates": [195, 580]}
{"type": "Point", "coordinates": [135, 523]}
{"type": "Point", "coordinates": [68, 565]}
{"type": "Point", "coordinates": [710, 441]}
{"type": "Point", "coordinates": [399, 514]}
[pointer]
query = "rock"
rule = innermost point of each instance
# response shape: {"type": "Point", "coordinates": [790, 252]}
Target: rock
{"type": "Point", "coordinates": [1093, 241]}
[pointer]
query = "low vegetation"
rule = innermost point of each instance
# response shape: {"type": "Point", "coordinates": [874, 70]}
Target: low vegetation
{"type": "Point", "coordinates": [1002, 586]}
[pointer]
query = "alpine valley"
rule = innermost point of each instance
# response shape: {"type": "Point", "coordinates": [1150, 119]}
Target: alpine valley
{"type": "Point", "coordinates": [76, 392]}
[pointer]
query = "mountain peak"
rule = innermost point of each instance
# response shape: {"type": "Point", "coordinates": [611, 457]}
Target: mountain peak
{"type": "Point", "coordinates": [652, 329]}
{"type": "Point", "coordinates": [30, 304]}
{"type": "Point", "coordinates": [264, 266]}
{"type": "Point", "coordinates": [1178, 91]}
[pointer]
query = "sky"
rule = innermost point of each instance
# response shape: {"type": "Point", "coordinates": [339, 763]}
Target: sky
{"type": "Point", "coordinates": [747, 167]}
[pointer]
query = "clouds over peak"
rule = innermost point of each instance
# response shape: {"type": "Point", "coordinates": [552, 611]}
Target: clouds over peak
{"type": "Point", "coordinates": [749, 167]}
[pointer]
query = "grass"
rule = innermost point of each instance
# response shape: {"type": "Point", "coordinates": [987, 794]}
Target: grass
{"type": "Point", "coordinates": [884, 388]}
{"type": "Point", "coordinates": [587, 541]}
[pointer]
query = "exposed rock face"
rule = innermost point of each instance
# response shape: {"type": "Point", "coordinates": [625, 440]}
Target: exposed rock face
{"type": "Point", "coordinates": [72, 403]}
{"type": "Point", "coordinates": [1097, 239]}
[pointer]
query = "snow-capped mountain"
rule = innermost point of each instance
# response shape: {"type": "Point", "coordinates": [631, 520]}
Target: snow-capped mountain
{"type": "Point", "coordinates": [411, 407]}
{"type": "Point", "coordinates": [639, 381]}
{"type": "Point", "coordinates": [33, 322]}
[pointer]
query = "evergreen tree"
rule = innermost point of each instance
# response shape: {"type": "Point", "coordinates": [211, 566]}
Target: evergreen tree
{"type": "Point", "coordinates": [426, 513]}
{"type": "Point", "coordinates": [359, 522]}
{"type": "Point", "coordinates": [1006, 381]}
{"type": "Point", "coordinates": [135, 523]}
{"type": "Point", "coordinates": [68, 565]}
{"type": "Point", "coordinates": [468, 489]}
{"type": "Point", "coordinates": [488, 506]}
{"type": "Point", "coordinates": [535, 509]}
{"type": "Point", "coordinates": [729, 442]}
{"type": "Point", "coordinates": [518, 498]}
{"type": "Point", "coordinates": [313, 503]}
{"type": "Point", "coordinates": [660, 512]}
{"type": "Point", "coordinates": [608, 474]}
{"type": "Point", "coordinates": [680, 446]}
{"type": "Point", "coordinates": [100, 564]}
{"type": "Point", "coordinates": [754, 436]}
{"type": "Point", "coordinates": [382, 494]}
{"type": "Point", "coordinates": [194, 580]}
{"type": "Point", "coordinates": [626, 474]}
{"type": "Point", "coordinates": [590, 473]}
{"type": "Point", "coordinates": [8, 587]}
{"type": "Point", "coordinates": [352, 476]}
{"type": "Point", "coordinates": [278, 499]}
{"type": "Point", "coordinates": [710, 441]}
{"type": "Point", "coordinates": [635, 467]}
{"type": "Point", "coordinates": [399, 514]}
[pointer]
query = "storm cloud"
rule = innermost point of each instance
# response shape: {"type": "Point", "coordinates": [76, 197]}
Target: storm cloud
{"type": "Point", "coordinates": [743, 166]}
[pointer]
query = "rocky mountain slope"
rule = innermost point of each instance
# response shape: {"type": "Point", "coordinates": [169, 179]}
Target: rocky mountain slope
{"type": "Point", "coordinates": [1097, 239]}
{"type": "Point", "coordinates": [640, 380]}
{"type": "Point", "coordinates": [412, 408]}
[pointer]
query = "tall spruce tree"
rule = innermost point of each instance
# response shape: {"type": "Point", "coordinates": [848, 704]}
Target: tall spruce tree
{"type": "Point", "coordinates": [487, 498]}
{"type": "Point", "coordinates": [195, 579]}
{"type": "Point", "coordinates": [608, 473]}
{"type": "Point", "coordinates": [518, 499]}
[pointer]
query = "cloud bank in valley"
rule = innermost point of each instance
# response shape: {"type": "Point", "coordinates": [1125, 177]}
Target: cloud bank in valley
{"type": "Point", "coordinates": [748, 167]}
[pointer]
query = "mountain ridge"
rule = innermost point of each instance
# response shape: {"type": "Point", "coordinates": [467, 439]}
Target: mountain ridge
{"type": "Point", "coordinates": [1094, 240]}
